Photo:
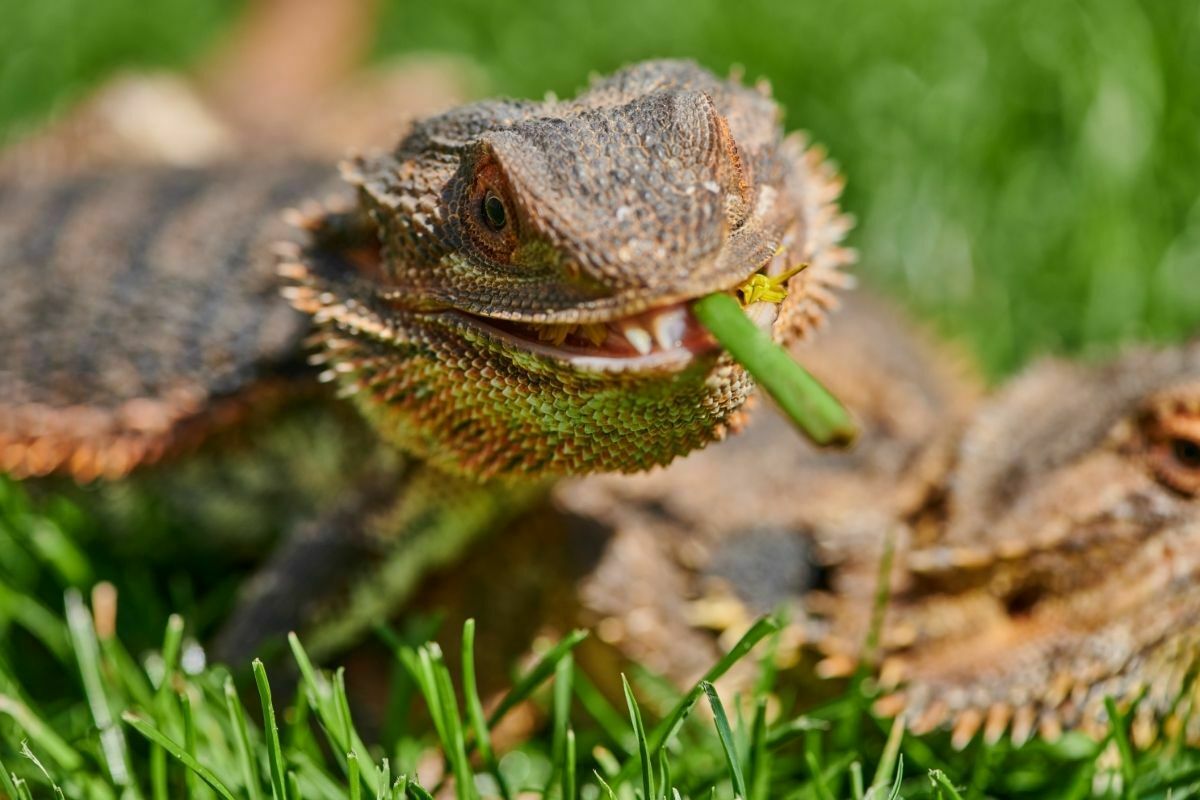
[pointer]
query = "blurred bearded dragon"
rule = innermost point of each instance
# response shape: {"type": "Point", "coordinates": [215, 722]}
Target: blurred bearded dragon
{"type": "Point", "coordinates": [1045, 544]}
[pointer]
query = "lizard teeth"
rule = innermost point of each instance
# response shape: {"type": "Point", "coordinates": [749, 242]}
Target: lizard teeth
{"type": "Point", "coordinates": [669, 328]}
{"type": "Point", "coordinates": [638, 337]}
{"type": "Point", "coordinates": [595, 332]}
{"type": "Point", "coordinates": [555, 334]}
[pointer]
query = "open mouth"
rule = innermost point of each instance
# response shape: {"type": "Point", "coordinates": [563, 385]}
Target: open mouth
{"type": "Point", "coordinates": [665, 337]}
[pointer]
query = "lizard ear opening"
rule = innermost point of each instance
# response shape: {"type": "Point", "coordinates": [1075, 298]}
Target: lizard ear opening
{"type": "Point", "coordinates": [488, 213]}
{"type": "Point", "coordinates": [1172, 427]}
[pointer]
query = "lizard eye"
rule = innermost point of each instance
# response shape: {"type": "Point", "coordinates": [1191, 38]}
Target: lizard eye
{"type": "Point", "coordinates": [1176, 462]}
{"type": "Point", "coordinates": [1174, 445]}
{"type": "Point", "coordinates": [494, 212]}
{"type": "Point", "coordinates": [1186, 453]}
{"type": "Point", "coordinates": [487, 214]}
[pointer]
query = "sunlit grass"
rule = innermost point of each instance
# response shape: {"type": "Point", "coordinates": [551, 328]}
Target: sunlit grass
{"type": "Point", "coordinates": [1024, 174]}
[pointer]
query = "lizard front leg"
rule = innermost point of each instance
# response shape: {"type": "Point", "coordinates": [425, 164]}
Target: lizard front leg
{"type": "Point", "coordinates": [353, 566]}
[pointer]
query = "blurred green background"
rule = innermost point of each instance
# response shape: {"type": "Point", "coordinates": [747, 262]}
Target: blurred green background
{"type": "Point", "coordinates": [1026, 173]}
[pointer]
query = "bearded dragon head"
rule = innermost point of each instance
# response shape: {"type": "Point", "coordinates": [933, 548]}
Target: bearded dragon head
{"type": "Point", "coordinates": [516, 298]}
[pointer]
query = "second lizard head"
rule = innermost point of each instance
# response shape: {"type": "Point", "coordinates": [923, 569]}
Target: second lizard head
{"type": "Point", "coordinates": [511, 294]}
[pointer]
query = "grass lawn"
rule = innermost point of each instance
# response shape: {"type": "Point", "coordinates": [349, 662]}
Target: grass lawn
{"type": "Point", "coordinates": [1025, 176]}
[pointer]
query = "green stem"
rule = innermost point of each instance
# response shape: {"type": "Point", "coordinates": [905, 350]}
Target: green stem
{"type": "Point", "coordinates": [809, 405]}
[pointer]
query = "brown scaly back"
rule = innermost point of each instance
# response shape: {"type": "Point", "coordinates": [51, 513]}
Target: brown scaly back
{"type": "Point", "coordinates": [523, 309]}
{"type": "Point", "coordinates": [140, 311]}
{"type": "Point", "coordinates": [1066, 570]}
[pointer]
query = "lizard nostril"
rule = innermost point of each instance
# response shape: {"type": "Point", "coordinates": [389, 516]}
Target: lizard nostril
{"type": "Point", "coordinates": [1021, 603]}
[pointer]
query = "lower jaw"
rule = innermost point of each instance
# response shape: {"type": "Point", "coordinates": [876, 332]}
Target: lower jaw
{"type": "Point", "coordinates": [554, 420]}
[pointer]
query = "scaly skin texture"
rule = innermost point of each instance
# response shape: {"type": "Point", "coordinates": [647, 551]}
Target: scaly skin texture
{"type": "Point", "coordinates": [556, 342]}
{"type": "Point", "coordinates": [555, 337]}
{"type": "Point", "coordinates": [1044, 542]}
{"type": "Point", "coordinates": [660, 184]}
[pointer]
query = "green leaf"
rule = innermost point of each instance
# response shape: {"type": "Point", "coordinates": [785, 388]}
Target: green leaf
{"type": "Point", "coordinates": [536, 675]}
{"type": "Point", "coordinates": [639, 731]}
{"type": "Point", "coordinates": [187, 759]}
{"type": "Point", "coordinates": [726, 735]}
{"type": "Point", "coordinates": [665, 729]}
{"type": "Point", "coordinates": [87, 654]}
{"type": "Point", "coordinates": [241, 739]}
{"type": "Point", "coordinates": [271, 730]}
{"type": "Point", "coordinates": [475, 709]}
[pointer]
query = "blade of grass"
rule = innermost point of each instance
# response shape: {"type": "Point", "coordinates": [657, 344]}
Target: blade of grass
{"type": "Point", "coordinates": [809, 405]}
{"type": "Point", "coordinates": [27, 753]}
{"type": "Point", "coordinates": [942, 784]}
{"type": "Point", "coordinates": [889, 759]}
{"type": "Point", "coordinates": [315, 781]}
{"type": "Point", "coordinates": [793, 729]}
{"type": "Point", "coordinates": [418, 791]}
{"type": "Point", "coordinates": [352, 779]}
{"type": "Point", "coordinates": [341, 704]}
{"type": "Point", "coordinates": [608, 791]}
{"type": "Point", "coordinates": [241, 739]}
{"type": "Point", "coordinates": [37, 619]}
{"type": "Point", "coordinates": [42, 734]}
{"type": "Point", "coordinates": [354, 742]}
{"type": "Point", "coordinates": [189, 741]}
{"type": "Point", "coordinates": [560, 713]}
{"type": "Point", "coordinates": [639, 731]}
{"type": "Point", "coordinates": [1116, 724]}
{"type": "Point", "coordinates": [87, 655]}
{"type": "Point", "coordinates": [454, 742]}
{"type": "Point", "coordinates": [6, 781]}
{"type": "Point", "coordinates": [151, 733]}
{"type": "Point", "coordinates": [820, 787]}
{"type": "Point", "coordinates": [271, 731]}
{"type": "Point", "coordinates": [333, 710]}
{"type": "Point", "coordinates": [727, 743]}
{"type": "Point", "coordinates": [597, 706]}
{"type": "Point", "coordinates": [171, 647]}
{"type": "Point", "coordinates": [474, 705]}
{"type": "Point", "coordinates": [894, 794]}
{"type": "Point", "coordinates": [385, 779]}
{"type": "Point", "coordinates": [665, 729]}
{"type": "Point", "coordinates": [856, 781]}
{"type": "Point", "coordinates": [536, 675]}
{"type": "Point", "coordinates": [759, 770]}
{"type": "Point", "coordinates": [568, 767]}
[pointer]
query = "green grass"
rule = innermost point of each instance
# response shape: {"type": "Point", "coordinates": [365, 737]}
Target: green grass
{"type": "Point", "coordinates": [97, 703]}
{"type": "Point", "coordinates": [1024, 174]}
{"type": "Point", "coordinates": [163, 727]}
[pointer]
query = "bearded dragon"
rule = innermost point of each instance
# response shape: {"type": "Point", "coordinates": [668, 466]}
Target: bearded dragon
{"type": "Point", "coordinates": [503, 294]}
{"type": "Point", "coordinates": [1043, 543]}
